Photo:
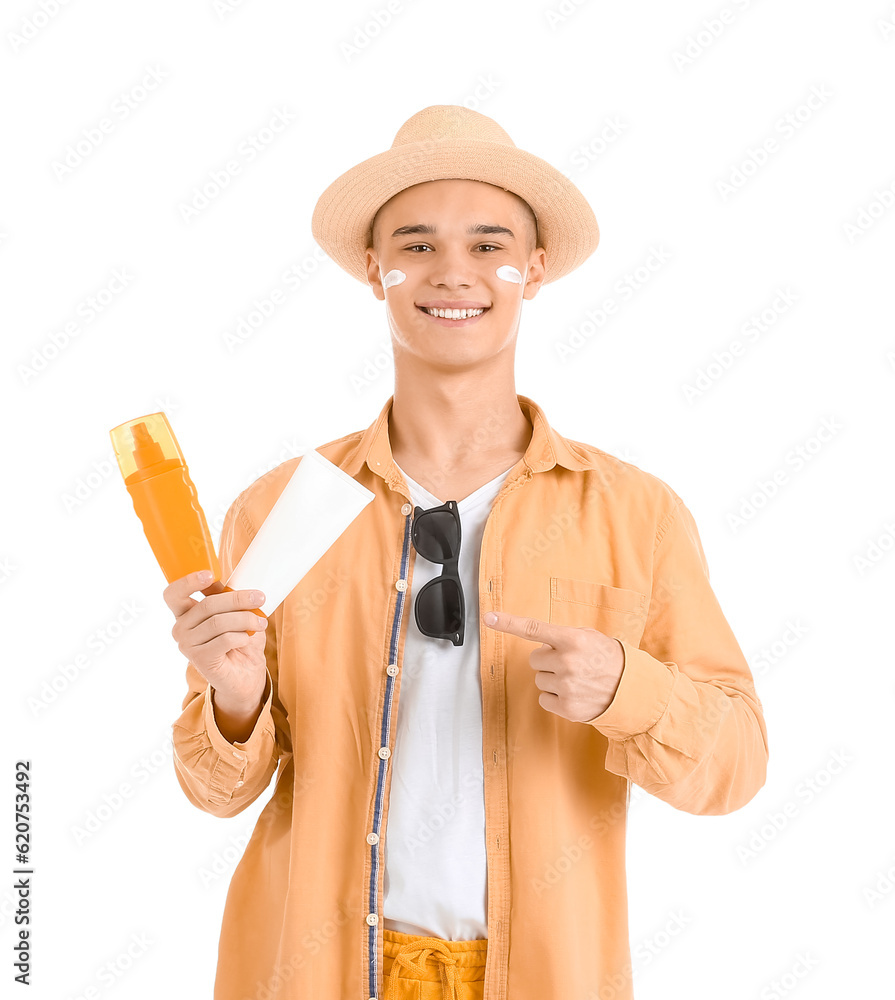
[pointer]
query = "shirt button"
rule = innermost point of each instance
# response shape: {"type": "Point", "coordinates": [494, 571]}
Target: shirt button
{"type": "Point", "coordinates": [238, 783]}
{"type": "Point", "coordinates": [236, 753]}
{"type": "Point", "coordinates": [385, 753]}
{"type": "Point", "coordinates": [391, 670]}
{"type": "Point", "coordinates": [401, 585]}
{"type": "Point", "coordinates": [372, 838]}
{"type": "Point", "coordinates": [406, 509]}
{"type": "Point", "coordinates": [372, 919]}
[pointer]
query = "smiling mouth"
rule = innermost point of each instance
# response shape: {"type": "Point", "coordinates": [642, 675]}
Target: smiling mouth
{"type": "Point", "coordinates": [453, 315]}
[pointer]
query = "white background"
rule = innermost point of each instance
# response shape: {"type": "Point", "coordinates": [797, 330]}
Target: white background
{"type": "Point", "coordinates": [719, 906]}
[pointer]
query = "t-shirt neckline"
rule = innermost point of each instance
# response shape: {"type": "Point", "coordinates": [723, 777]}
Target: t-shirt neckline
{"type": "Point", "coordinates": [467, 501]}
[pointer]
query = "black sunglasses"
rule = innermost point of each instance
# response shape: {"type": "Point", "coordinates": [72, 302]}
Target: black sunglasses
{"type": "Point", "coordinates": [439, 607]}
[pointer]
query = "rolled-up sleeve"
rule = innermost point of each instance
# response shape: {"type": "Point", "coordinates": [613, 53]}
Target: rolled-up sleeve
{"type": "Point", "coordinates": [217, 776]}
{"type": "Point", "coordinates": [686, 723]}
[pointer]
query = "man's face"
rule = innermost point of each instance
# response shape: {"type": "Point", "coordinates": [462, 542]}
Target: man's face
{"type": "Point", "coordinates": [450, 265]}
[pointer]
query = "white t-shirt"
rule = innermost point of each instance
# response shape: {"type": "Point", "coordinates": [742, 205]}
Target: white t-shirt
{"type": "Point", "coordinates": [436, 873]}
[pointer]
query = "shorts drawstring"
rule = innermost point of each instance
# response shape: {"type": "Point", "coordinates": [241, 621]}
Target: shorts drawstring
{"type": "Point", "coordinates": [461, 966]}
{"type": "Point", "coordinates": [421, 949]}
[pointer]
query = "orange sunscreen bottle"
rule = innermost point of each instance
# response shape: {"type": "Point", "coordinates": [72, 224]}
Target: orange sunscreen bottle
{"type": "Point", "coordinates": [165, 499]}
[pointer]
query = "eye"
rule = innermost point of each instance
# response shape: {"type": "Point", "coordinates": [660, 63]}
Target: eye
{"type": "Point", "coordinates": [415, 245]}
{"type": "Point", "coordinates": [492, 245]}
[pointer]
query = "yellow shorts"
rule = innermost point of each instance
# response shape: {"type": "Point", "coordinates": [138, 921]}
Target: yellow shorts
{"type": "Point", "coordinates": [430, 968]}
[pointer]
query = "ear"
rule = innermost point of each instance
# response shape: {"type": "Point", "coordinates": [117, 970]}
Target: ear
{"type": "Point", "coordinates": [536, 271]}
{"type": "Point", "coordinates": [373, 274]}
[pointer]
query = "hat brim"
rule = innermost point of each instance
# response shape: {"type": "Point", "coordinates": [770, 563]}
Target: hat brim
{"type": "Point", "coordinates": [567, 227]}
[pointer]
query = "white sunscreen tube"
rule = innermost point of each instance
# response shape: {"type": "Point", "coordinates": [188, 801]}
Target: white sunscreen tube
{"type": "Point", "coordinates": [509, 273]}
{"type": "Point", "coordinates": [316, 506]}
{"type": "Point", "coordinates": [394, 277]}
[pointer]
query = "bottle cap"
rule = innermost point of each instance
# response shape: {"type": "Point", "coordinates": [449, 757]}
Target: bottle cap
{"type": "Point", "coordinates": [143, 442]}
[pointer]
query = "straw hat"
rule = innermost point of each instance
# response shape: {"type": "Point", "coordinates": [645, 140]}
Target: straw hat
{"type": "Point", "coordinates": [449, 141]}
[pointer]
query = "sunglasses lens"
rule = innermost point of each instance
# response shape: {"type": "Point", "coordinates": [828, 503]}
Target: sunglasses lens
{"type": "Point", "coordinates": [438, 607]}
{"type": "Point", "coordinates": [435, 535]}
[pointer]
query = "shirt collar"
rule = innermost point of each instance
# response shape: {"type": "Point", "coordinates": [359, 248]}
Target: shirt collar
{"type": "Point", "coordinates": [546, 448]}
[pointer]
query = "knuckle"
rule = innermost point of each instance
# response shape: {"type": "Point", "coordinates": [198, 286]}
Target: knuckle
{"type": "Point", "coordinates": [530, 627]}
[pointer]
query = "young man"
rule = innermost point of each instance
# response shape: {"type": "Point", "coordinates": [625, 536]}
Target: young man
{"type": "Point", "coordinates": [452, 792]}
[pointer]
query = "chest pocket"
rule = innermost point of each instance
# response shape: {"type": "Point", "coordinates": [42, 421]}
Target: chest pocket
{"type": "Point", "coordinates": [584, 604]}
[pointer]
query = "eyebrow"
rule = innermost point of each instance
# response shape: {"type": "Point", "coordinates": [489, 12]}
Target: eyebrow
{"type": "Point", "coordinates": [481, 229]}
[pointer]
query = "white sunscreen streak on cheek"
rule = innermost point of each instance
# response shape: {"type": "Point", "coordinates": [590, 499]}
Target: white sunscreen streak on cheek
{"type": "Point", "coordinates": [509, 273]}
{"type": "Point", "coordinates": [394, 277]}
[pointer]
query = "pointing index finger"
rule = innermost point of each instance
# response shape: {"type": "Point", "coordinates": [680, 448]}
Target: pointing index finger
{"type": "Point", "coordinates": [532, 629]}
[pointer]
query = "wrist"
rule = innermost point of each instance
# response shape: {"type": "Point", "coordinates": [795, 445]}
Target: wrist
{"type": "Point", "coordinates": [236, 719]}
{"type": "Point", "coordinates": [238, 710]}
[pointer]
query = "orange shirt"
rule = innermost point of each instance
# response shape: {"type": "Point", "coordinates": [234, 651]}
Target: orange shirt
{"type": "Point", "coordinates": [575, 536]}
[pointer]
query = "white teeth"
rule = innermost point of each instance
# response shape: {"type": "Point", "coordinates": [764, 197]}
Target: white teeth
{"type": "Point", "coordinates": [454, 313]}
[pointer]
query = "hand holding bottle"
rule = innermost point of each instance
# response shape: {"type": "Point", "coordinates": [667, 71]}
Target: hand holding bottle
{"type": "Point", "coordinates": [213, 635]}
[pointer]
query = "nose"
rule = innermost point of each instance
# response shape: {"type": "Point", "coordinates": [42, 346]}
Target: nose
{"type": "Point", "coordinates": [452, 268]}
